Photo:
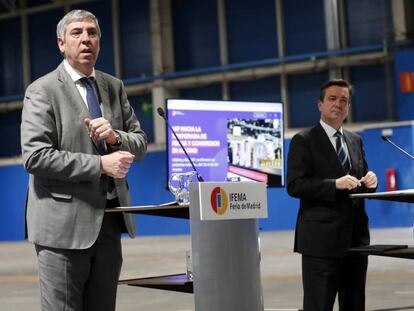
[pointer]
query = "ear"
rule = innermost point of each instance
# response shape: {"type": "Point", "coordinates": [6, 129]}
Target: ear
{"type": "Point", "coordinates": [61, 45]}
{"type": "Point", "coordinates": [320, 103]}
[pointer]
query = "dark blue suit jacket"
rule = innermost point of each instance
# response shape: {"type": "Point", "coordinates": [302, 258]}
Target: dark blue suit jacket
{"type": "Point", "coordinates": [328, 222]}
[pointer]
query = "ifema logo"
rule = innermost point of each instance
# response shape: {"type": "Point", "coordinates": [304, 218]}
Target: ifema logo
{"type": "Point", "coordinates": [219, 201]}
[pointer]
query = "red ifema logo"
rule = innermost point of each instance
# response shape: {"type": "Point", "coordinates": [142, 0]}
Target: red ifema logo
{"type": "Point", "coordinates": [219, 201]}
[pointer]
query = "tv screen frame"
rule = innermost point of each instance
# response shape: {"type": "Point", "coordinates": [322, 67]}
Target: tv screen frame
{"type": "Point", "coordinates": [227, 140]}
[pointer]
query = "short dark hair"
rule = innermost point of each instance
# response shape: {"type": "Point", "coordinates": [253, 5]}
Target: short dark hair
{"type": "Point", "coordinates": [337, 82]}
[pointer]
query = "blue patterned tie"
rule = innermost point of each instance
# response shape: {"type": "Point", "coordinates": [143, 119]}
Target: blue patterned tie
{"type": "Point", "coordinates": [343, 158]}
{"type": "Point", "coordinates": [93, 107]}
{"type": "Point", "coordinates": [95, 112]}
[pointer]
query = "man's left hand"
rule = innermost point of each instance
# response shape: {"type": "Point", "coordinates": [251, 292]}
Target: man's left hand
{"type": "Point", "coordinates": [100, 129]}
{"type": "Point", "coordinates": [369, 180]}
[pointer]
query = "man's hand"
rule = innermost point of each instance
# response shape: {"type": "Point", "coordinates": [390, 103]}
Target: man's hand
{"type": "Point", "coordinates": [101, 129]}
{"type": "Point", "coordinates": [369, 180]}
{"type": "Point", "coordinates": [116, 164]}
{"type": "Point", "coordinates": [347, 182]}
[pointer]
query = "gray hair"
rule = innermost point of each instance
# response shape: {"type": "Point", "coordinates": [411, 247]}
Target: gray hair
{"type": "Point", "coordinates": [75, 16]}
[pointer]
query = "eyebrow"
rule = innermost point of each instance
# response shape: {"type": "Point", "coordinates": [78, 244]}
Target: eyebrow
{"type": "Point", "coordinates": [346, 97]}
{"type": "Point", "coordinates": [81, 28]}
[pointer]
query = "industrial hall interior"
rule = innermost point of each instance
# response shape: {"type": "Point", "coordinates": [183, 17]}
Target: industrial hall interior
{"type": "Point", "coordinates": [207, 150]}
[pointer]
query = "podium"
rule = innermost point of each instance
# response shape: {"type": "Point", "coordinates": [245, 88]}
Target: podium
{"type": "Point", "coordinates": [225, 245]}
{"type": "Point", "coordinates": [398, 196]}
{"type": "Point", "coordinates": [398, 251]}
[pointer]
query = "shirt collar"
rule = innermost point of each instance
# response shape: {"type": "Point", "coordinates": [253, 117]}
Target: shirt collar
{"type": "Point", "coordinates": [330, 131]}
{"type": "Point", "coordinates": [74, 74]}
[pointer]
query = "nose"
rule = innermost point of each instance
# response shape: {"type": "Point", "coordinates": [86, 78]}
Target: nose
{"type": "Point", "coordinates": [337, 104]}
{"type": "Point", "coordinates": [85, 36]}
{"type": "Point", "coordinates": [340, 102]}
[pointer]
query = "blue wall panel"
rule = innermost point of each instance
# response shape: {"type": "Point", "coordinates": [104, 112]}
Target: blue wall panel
{"type": "Point", "coordinates": [267, 89]}
{"type": "Point", "coordinates": [381, 156]}
{"type": "Point", "coordinates": [103, 11]}
{"type": "Point", "coordinates": [147, 181]}
{"type": "Point", "coordinates": [404, 64]}
{"type": "Point", "coordinates": [148, 185]}
{"type": "Point", "coordinates": [195, 29]}
{"type": "Point", "coordinates": [44, 51]}
{"type": "Point", "coordinates": [11, 69]}
{"type": "Point", "coordinates": [10, 129]}
{"type": "Point", "coordinates": [369, 102]}
{"type": "Point", "coordinates": [135, 39]}
{"type": "Point", "coordinates": [143, 109]}
{"type": "Point", "coordinates": [13, 186]}
{"type": "Point", "coordinates": [210, 92]}
{"type": "Point", "coordinates": [251, 36]}
{"type": "Point", "coordinates": [304, 26]}
{"type": "Point", "coordinates": [303, 98]}
{"type": "Point", "coordinates": [368, 22]}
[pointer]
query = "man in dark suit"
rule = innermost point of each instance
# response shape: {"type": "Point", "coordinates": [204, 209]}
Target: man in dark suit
{"type": "Point", "coordinates": [325, 164]}
{"type": "Point", "coordinates": [79, 137]}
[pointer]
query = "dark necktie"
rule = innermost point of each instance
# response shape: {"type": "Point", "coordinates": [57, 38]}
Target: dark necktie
{"type": "Point", "coordinates": [93, 107]}
{"type": "Point", "coordinates": [95, 112]}
{"type": "Point", "coordinates": [343, 158]}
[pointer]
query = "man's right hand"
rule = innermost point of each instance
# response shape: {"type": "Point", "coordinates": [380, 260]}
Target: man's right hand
{"type": "Point", "coordinates": [347, 182]}
{"type": "Point", "coordinates": [116, 164]}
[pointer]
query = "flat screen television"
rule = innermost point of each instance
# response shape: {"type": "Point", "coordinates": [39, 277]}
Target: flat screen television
{"type": "Point", "coordinates": [227, 140]}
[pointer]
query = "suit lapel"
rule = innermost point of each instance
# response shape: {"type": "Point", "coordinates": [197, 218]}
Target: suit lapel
{"type": "Point", "coordinates": [73, 97]}
{"type": "Point", "coordinates": [327, 150]}
{"type": "Point", "coordinates": [324, 141]}
{"type": "Point", "coordinates": [104, 96]}
{"type": "Point", "coordinates": [352, 150]}
{"type": "Point", "coordinates": [71, 93]}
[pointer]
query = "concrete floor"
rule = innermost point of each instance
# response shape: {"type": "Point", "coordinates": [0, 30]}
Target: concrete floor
{"type": "Point", "coordinates": [390, 284]}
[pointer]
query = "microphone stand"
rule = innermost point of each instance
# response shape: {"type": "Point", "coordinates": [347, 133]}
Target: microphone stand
{"type": "Point", "coordinates": [396, 146]}
{"type": "Point", "coordinates": [162, 115]}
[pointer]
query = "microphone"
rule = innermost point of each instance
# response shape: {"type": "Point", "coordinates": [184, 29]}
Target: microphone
{"type": "Point", "coordinates": [386, 138]}
{"type": "Point", "coordinates": [161, 112]}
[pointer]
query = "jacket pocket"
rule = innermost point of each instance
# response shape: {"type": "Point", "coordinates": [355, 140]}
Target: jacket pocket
{"type": "Point", "coordinates": [59, 192]}
{"type": "Point", "coordinates": [61, 195]}
{"type": "Point", "coordinates": [319, 215]}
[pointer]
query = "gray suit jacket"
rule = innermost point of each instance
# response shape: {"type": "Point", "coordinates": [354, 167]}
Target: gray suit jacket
{"type": "Point", "coordinates": [67, 195]}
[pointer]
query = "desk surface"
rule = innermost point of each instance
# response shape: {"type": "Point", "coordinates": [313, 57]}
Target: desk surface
{"type": "Point", "coordinates": [386, 250]}
{"type": "Point", "coordinates": [181, 283]}
{"type": "Point", "coordinates": [398, 196]}
{"type": "Point", "coordinates": [173, 282]}
{"type": "Point", "coordinates": [166, 210]}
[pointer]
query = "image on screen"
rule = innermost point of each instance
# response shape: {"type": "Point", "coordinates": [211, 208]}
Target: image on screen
{"type": "Point", "coordinates": [227, 140]}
